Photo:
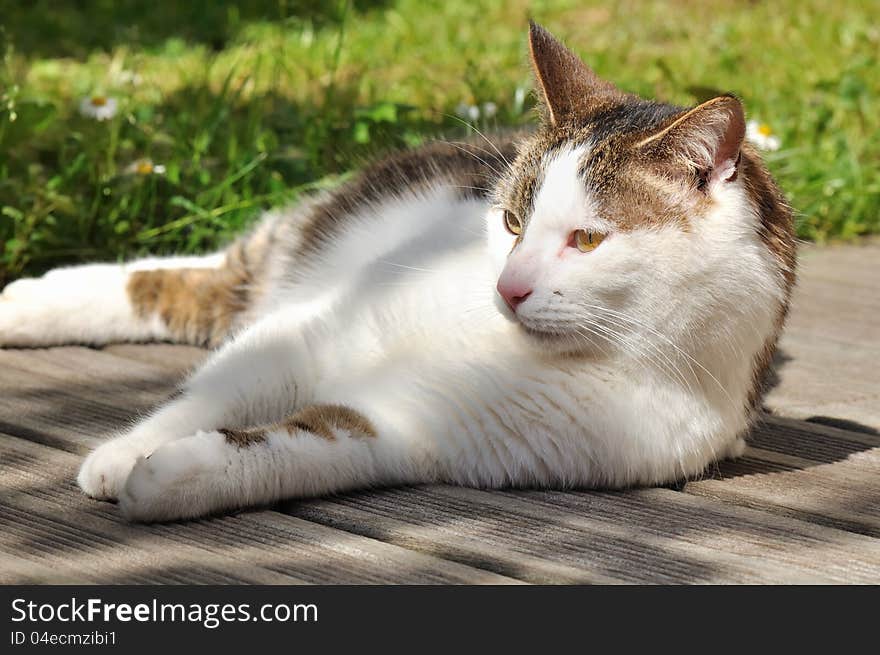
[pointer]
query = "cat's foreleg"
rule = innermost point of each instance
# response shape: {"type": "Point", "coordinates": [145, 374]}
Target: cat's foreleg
{"type": "Point", "coordinates": [317, 450]}
{"type": "Point", "coordinates": [258, 377]}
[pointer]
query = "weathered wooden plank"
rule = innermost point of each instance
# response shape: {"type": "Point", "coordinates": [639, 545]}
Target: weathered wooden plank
{"type": "Point", "coordinates": [830, 348]}
{"type": "Point", "coordinates": [834, 315]}
{"type": "Point", "coordinates": [824, 444]}
{"type": "Point", "coordinates": [806, 392]}
{"type": "Point", "coordinates": [814, 473]}
{"type": "Point", "coordinates": [807, 551]}
{"type": "Point", "coordinates": [715, 541]}
{"type": "Point", "coordinates": [177, 359]}
{"type": "Point", "coordinates": [862, 413]}
{"type": "Point", "coordinates": [16, 569]}
{"type": "Point", "coordinates": [46, 520]}
{"type": "Point", "coordinates": [818, 356]}
{"type": "Point", "coordinates": [75, 549]}
{"type": "Point", "coordinates": [73, 397]}
{"type": "Point", "coordinates": [850, 266]}
{"type": "Point", "coordinates": [90, 370]}
{"type": "Point", "coordinates": [71, 417]}
{"type": "Point", "coordinates": [400, 517]}
{"type": "Point", "coordinates": [40, 409]}
{"type": "Point", "coordinates": [843, 495]}
{"type": "Point", "coordinates": [775, 435]}
{"type": "Point", "coordinates": [511, 532]}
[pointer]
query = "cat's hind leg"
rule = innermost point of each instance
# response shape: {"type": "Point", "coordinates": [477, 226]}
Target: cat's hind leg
{"type": "Point", "coordinates": [194, 300]}
{"type": "Point", "coordinates": [174, 299]}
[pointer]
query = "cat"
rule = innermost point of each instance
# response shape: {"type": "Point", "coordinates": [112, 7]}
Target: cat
{"type": "Point", "coordinates": [593, 305]}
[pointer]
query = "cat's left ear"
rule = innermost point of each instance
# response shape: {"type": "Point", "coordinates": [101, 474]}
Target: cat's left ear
{"type": "Point", "coordinates": [570, 91]}
{"type": "Point", "coordinates": [708, 139]}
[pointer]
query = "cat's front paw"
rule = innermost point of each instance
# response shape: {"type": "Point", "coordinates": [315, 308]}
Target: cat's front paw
{"type": "Point", "coordinates": [104, 472]}
{"type": "Point", "coordinates": [181, 479]}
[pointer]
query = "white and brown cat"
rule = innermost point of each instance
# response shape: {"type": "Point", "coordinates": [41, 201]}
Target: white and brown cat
{"type": "Point", "coordinates": [592, 306]}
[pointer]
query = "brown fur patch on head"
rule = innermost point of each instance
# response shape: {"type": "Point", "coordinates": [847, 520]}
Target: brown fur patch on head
{"type": "Point", "coordinates": [243, 438]}
{"type": "Point", "coordinates": [630, 190]}
{"type": "Point", "coordinates": [196, 304]}
{"type": "Point", "coordinates": [323, 420]}
{"type": "Point", "coordinates": [632, 193]}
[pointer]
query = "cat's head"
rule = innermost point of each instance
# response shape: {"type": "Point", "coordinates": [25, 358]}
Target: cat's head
{"type": "Point", "coordinates": [623, 215]}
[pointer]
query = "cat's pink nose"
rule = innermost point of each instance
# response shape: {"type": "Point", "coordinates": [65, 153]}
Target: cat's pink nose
{"type": "Point", "coordinates": [514, 292]}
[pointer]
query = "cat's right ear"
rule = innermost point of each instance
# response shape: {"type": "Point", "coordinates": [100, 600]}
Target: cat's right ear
{"type": "Point", "coordinates": [569, 89]}
{"type": "Point", "coordinates": [706, 138]}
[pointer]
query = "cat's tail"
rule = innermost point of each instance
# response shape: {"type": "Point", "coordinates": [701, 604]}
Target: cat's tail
{"type": "Point", "coordinates": [193, 300]}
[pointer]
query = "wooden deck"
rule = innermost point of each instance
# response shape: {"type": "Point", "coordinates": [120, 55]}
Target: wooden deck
{"type": "Point", "coordinates": [803, 505]}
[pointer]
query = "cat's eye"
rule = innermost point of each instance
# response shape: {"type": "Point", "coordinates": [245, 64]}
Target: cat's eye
{"type": "Point", "coordinates": [512, 223]}
{"type": "Point", "coordinates": [585, 241]}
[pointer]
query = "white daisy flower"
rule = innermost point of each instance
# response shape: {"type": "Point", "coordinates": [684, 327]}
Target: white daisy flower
{"type": "Point", "coordinates": [145, 167]}
{"type": "Point", "coordinates": [468, 112]}
{"type": "Point", "coordinates": [762, 136]}
{"type": "Point", "coordinates": [519, 99]}
{"type": "Point", "coordinates": [101, 108]}
{"type": "Point", "coordinates": [489, 109]}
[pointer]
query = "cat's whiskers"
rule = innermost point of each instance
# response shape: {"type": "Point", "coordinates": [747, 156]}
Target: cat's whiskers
{"type": "Point", "coordinates": [407, 267]}
{"type": "Point", "coordinates": [705, 439]}
{"type": "Point", "coordinates": [465, 186]}
{"type": "Point", "coordinates": [484, 137]}
{"type": "Point", "coordinates": [460, 146]}
{"type": "Point", "coordinates": [631, 347]}
{"type": "Point", "coordinates": [628, 323]}
{"type": "Point", "coordinates": [666, 339]}
{"type": "Point", "coordinates": [637, 353]}
{"type": "Point", "coordinates": [670, 364]}
{"type": "Point", "coordinates": [593, 343]}
{"type": "Point", "coordinates": [634, 352]}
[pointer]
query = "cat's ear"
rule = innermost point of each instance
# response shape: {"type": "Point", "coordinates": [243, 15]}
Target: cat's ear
{"type": "Point", "coordinates": [569, 89]}
{"type": "Point", "coordinates": [707, 138]}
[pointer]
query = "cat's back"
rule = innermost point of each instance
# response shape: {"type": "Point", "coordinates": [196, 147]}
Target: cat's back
{"type": "Point", "coordinates": [465, 170]}
{"type": "Point", "coordinates": [400, 211]}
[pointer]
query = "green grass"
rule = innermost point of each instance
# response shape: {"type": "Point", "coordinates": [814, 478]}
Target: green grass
{"type": "Point", "coordinates": [249, 104]}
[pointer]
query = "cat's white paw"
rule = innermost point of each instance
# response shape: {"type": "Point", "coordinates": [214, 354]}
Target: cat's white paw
{"type": "Point", "coordinates": [105, 470]}
{"type": "Point", "coordinates": [181, 479]}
